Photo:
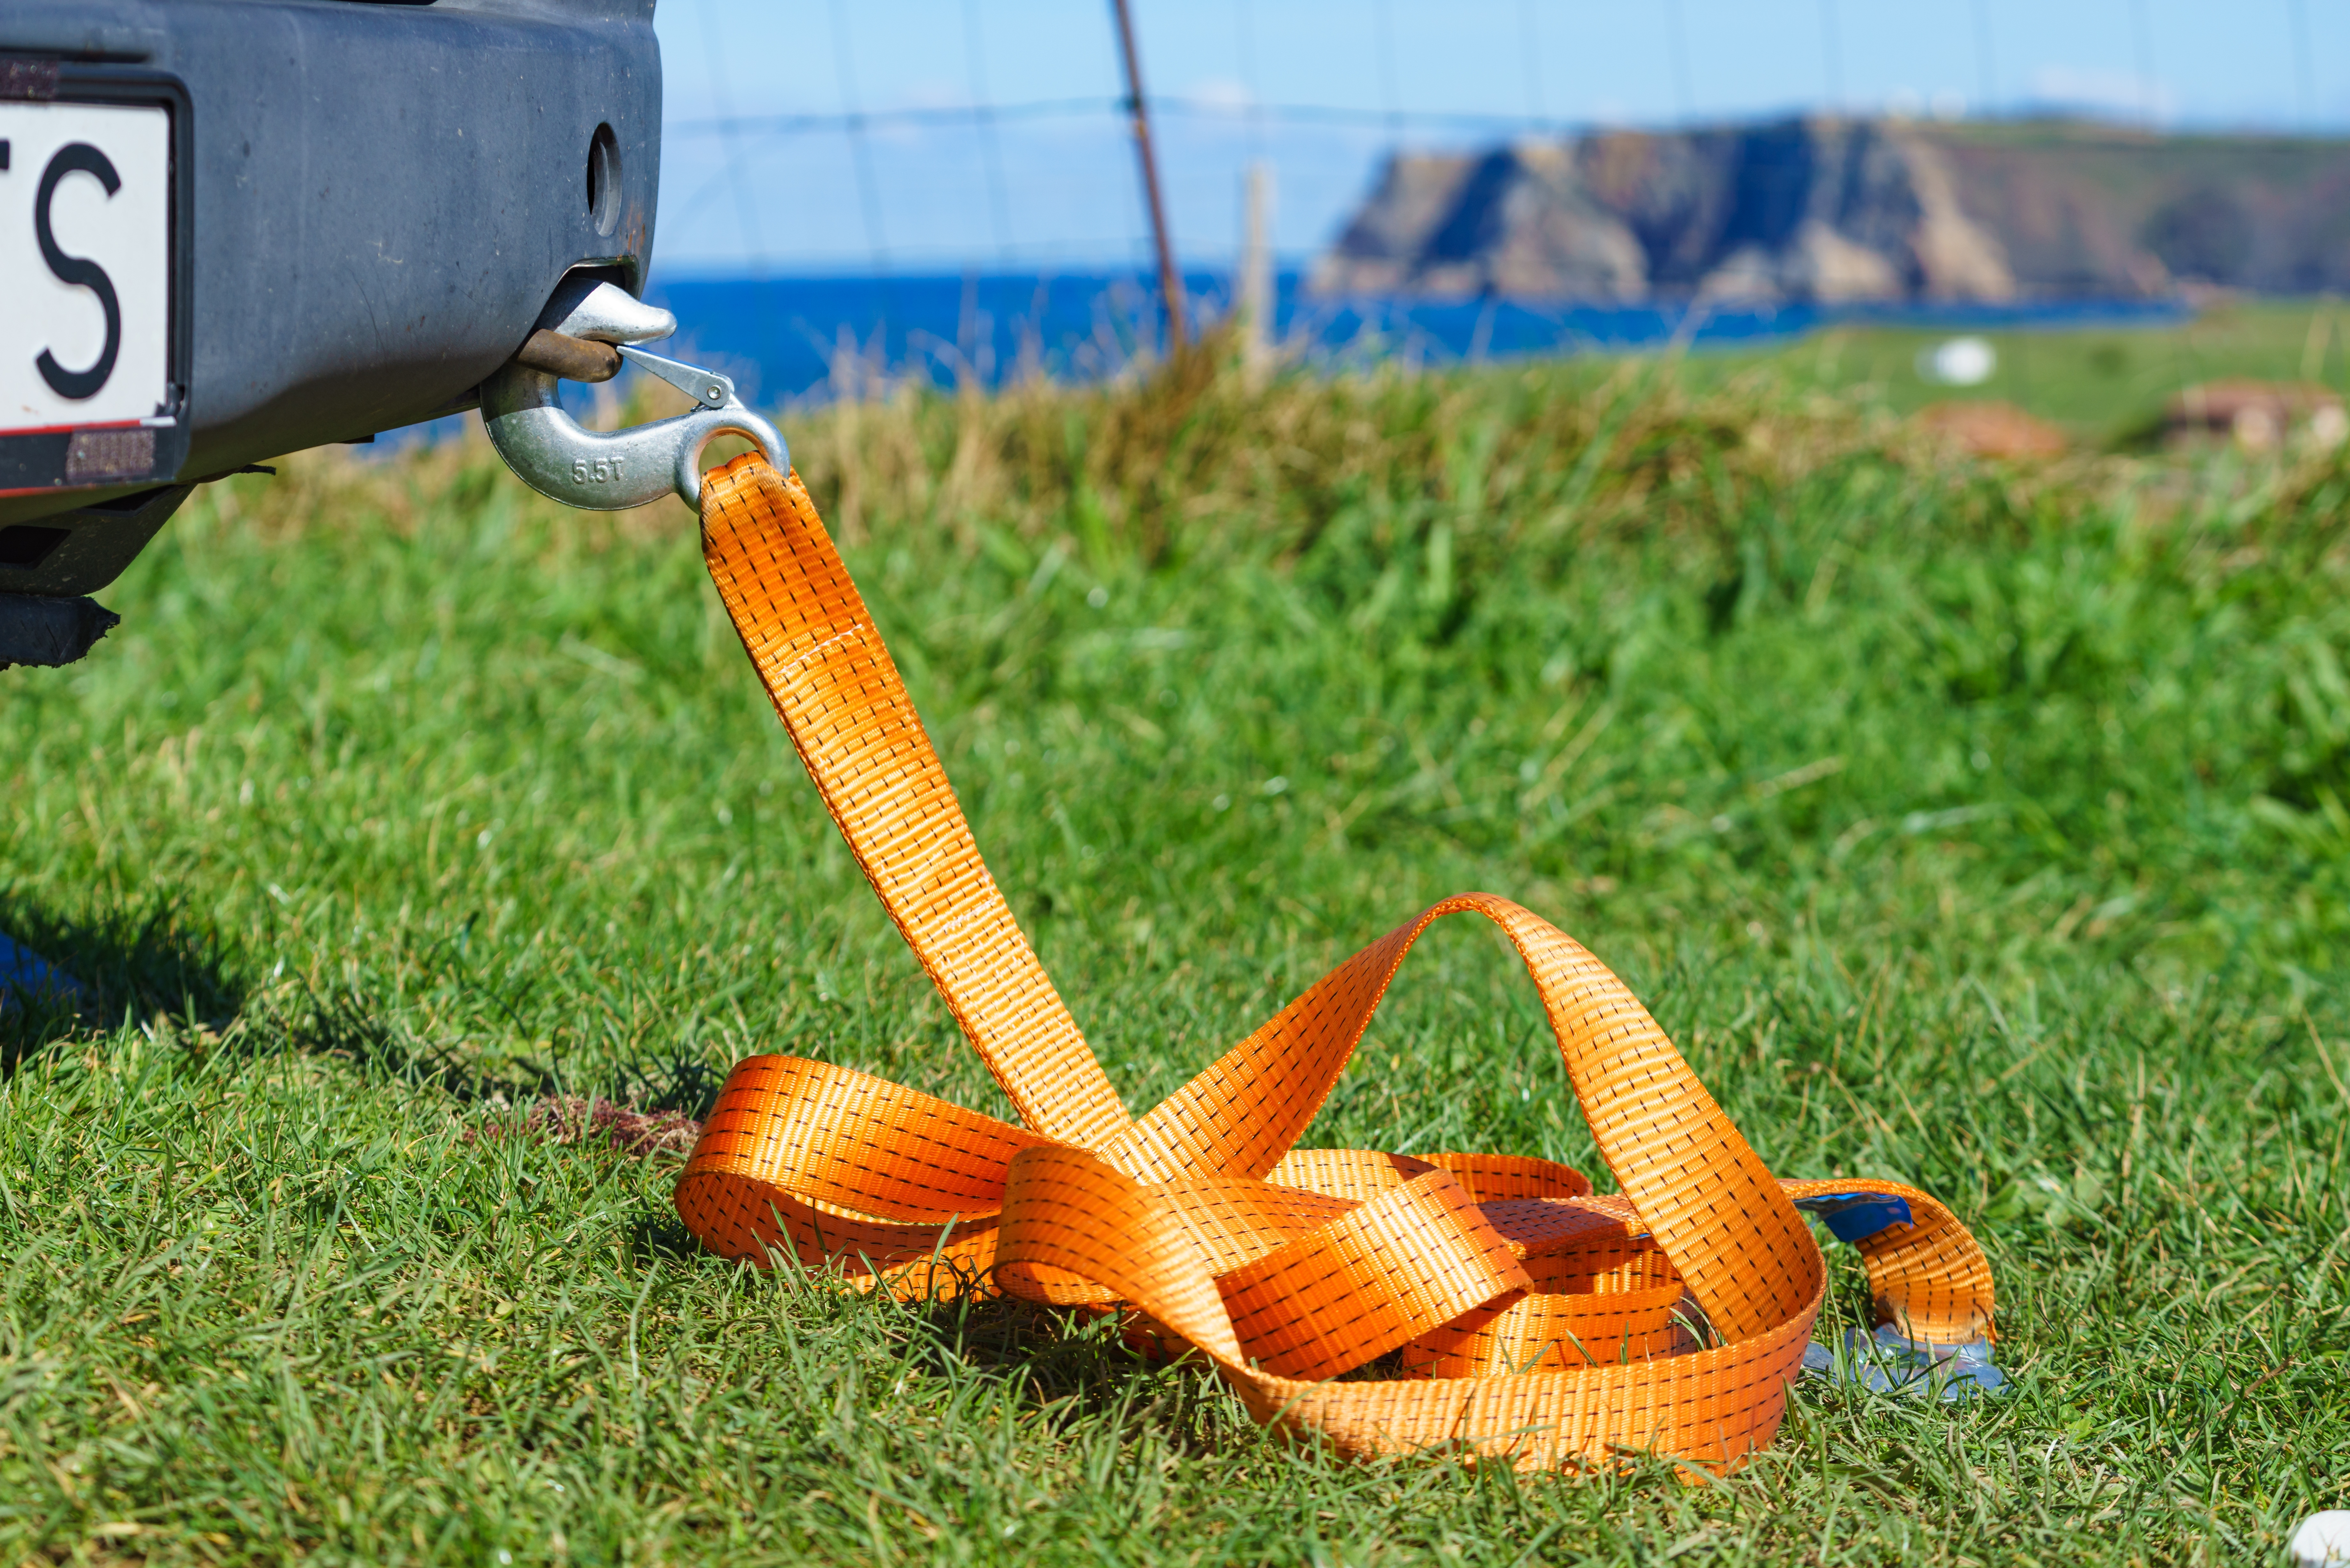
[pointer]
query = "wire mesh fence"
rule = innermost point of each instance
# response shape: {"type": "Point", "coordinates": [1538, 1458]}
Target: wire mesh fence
{"type": "Point", "coordinates": [948, 188]}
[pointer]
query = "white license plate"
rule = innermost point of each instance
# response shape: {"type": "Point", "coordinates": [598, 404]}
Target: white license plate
{"type": "Point", "coordinates": [86, 251]}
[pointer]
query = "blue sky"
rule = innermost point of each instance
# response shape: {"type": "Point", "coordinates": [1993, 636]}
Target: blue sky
{"type": "Point", "coordinates": [1057, 188]}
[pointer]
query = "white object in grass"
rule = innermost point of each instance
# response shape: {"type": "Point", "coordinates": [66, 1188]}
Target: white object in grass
{"type": "Point", "coordinates": [2322, 1538]}
{"type": "Point", "coordinates": [1958, 363]}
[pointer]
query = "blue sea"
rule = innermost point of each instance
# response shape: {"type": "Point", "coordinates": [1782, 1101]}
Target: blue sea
{"type": "Point", "coordinates": [794, 340]}
{"type": "Point", "coordinates": [798, 340]}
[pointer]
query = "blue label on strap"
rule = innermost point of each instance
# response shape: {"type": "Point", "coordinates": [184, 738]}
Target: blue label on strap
{"type": "Point", "coordinates": [1856, 1216]}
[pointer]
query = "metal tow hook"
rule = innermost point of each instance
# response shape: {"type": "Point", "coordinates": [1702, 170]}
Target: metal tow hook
{"type": "Point", "coordinates": [608, 472]}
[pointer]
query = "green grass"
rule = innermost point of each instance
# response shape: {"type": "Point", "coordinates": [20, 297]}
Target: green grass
{"type": "Point", "coordinates": [2104, 385]}
{"type": "Point", "coordinates": [1980, 828]}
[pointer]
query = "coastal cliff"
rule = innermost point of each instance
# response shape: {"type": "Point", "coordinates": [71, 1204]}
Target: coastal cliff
{"type": "Point", "coordinates": [1837, 210]}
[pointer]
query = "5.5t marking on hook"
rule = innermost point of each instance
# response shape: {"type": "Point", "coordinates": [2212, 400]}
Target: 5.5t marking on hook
{"type": "Point", "coordinates": [608, 470]}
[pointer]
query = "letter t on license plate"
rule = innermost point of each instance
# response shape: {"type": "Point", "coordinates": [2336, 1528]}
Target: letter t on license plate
{"type": "Point", "coordinates": [92, 343]}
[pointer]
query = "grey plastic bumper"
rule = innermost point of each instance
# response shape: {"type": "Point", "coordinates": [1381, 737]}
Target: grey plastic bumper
{"type": "Point", "coordinates": [382, 198]}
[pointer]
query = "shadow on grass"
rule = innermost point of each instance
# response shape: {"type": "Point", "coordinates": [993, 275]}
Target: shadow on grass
{"type": "Point", "coordinates": [663, 1239]}
{"type": "Point", "coordinates": [676, 1082]}
{"type": "Point", "coordinates": [441, 1028]}
{"type": "Point", "coordinates": [122, 971]}
{"type": "Point", "coordinates": [353, 1027]}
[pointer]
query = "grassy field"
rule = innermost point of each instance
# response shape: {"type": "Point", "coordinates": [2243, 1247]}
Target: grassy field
{"type": "Point", "coordinates": [1986, 828]}
{"type": "Point", "coordinates": [2104, 385]}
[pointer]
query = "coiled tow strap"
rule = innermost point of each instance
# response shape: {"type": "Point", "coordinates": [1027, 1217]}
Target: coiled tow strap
{"type": "Point", "coordinates": [1522, 1316]}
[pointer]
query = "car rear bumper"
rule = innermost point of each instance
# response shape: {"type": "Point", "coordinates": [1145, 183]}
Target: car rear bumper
{"type": "Point", "coordinates": [382, 198]}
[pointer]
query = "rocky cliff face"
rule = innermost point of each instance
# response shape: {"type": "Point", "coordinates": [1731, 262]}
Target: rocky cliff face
{"type": "Point", "coordinates": [1835, 210]}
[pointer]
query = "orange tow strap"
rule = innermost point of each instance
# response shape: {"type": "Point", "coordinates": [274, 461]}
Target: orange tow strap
{"type": "Point", "coordinates": [1527, 1318]}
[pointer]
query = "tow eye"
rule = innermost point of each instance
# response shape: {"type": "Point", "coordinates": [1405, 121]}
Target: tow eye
{"type": "Point", "coordinates": [592, 330]}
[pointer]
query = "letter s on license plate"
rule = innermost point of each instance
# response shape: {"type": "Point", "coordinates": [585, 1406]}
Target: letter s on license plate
{"type": "Point", "coordinates": [91, 349]}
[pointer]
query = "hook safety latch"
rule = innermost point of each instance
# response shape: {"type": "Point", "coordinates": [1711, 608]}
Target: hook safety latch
{"type": "Point", "coordinates": [607, 471]}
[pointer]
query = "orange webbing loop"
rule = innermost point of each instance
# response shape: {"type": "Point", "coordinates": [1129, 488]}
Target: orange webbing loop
{"type": "Point", "coordinates": [1529, 1318]}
